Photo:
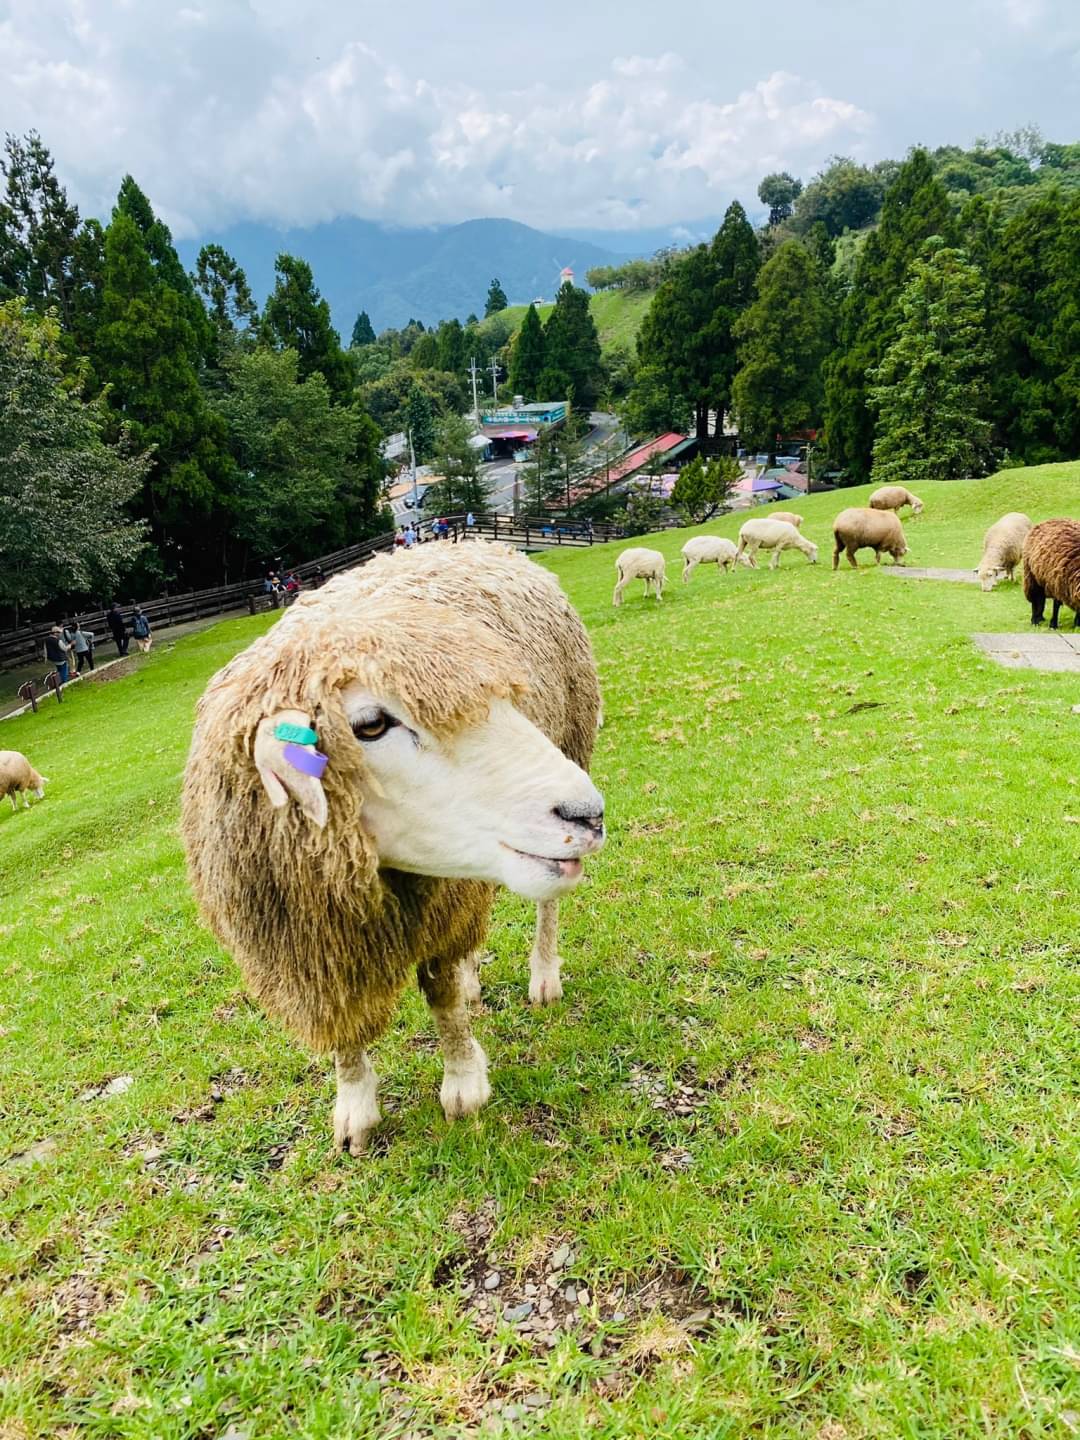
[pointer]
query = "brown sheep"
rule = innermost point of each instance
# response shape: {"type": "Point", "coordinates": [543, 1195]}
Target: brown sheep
{"type": "Point", "coordinates": [788, 515]}
{"type": "Point", "coordinates": [17, 776]}
{"type": "Point", "coordinates": [895, 497]}
{"type": "Point", "coordinates": [455, 694]}
{"type": "Point", "coordinates": [858, 529]}
{"type": "Point", "coordinates": [1052, 568]}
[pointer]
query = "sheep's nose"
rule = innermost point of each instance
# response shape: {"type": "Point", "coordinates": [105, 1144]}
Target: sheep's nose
{"type": "Point", "coordinates": [589, 813]}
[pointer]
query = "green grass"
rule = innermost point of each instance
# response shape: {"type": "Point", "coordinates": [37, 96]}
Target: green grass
{"type": "Point", "coordinates": [618, 315]}
{"type": "Point", "coordinates": [838, 904]}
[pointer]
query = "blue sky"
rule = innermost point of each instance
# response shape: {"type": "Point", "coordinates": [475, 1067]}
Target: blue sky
{"type": "Point", "coordinates": [561, 115]}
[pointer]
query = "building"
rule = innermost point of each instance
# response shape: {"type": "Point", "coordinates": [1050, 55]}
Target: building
{"type": "Point", "coordinates": [566, 277]}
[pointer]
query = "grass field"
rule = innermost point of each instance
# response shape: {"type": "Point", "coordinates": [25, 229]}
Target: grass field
{"type": "Point", "coordinates": [618, 315]}
{"type": "Point", "coordinates": [806, 1119]}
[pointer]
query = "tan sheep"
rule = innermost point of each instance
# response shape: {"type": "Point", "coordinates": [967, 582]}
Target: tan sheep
{"type": "Point", "coordinates": [774, 535]}
{"type": "Point", "coordinates": [710, 550]}
{"type": "Point", "coordinates": [638, 563]}
{"type": "Point", "coordinates": [864, 529]}
{"type": "Point", "coordinates": [789, 516]}
{"type": "Point", "coordinates": [455, 695]}
{"type": "Point", "coordinates": [1003, 548]}
{"type": "Point", "coordinates": [18, 776]}
{"type": "Point", "coordinates": [895, 497]}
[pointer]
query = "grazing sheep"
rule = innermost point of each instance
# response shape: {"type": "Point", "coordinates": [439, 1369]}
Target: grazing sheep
{"type": "Point", "coordinates": [711, 550]}
{"type": "Point", "coordinates": [1003, 548]}
{"type": "Point", "coordinates": [638, 563]}
{"type": "Point", "coordinates": [859, 529]}
{"type": "Point", "coordinates": [774, 535]}
{"type": "Point", "coordinates": [18, 775]}
{"type": "Point", "coordinates": [455, 695]}
{"type": "Point", "coordinates": [1052, 568]}
{"type": "Point", "coordinates": [895, 497]}
{"type": "Point", "coordinates": [788, 515]}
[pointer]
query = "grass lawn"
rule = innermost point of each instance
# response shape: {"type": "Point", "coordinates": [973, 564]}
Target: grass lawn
{"type": "Point", "coordinates": [618, 315]}
{"type": "Point", "coordinates": [806, 1122]}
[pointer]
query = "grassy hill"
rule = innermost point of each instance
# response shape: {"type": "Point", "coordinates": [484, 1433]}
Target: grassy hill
{"type": "Point", "coordinates": [806, 1118]}
{"type": "Point", "coordinates": [618, 315]}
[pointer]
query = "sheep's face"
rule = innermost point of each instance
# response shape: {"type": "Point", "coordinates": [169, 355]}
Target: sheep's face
{"type": "Point", "coordinates": [495, 801]}
{"type": "Point", "coordinates": [811, 551]}
{"type": "Point", "coordinates": [989, 578]}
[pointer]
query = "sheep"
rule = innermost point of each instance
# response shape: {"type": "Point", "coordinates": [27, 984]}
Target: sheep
{"type": "Point", "coordinates": [455, 695]}
{"type": "Point", "coordinates": [1003, 548]}
{"type": "Point", "coordinates": [638, 563]}
{"type": "Point", "coordinates": [774, 535]}
{"type": "Point", "coordinates": [895, 497]}
{"type": "Point", "coordinates": [1052, 568]}
{"type": "Point", "coordinates": [788, 515]}
{"type": "Point", "coordinates": [18, 775]}
{"type": "Point", "coordinates": [858, 529]}
{"type": "Point", "coordinates": [709, 550]}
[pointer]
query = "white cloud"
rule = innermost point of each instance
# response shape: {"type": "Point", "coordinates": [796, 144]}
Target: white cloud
{"type": "Point", "coordinates": [238, 110]}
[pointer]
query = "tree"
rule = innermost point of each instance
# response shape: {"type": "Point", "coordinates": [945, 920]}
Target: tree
{"type": "Point", "coordinates": [420, 423]}
{"type": "Point", "coordinates": [572, 363]}
{"type": "Point", "coordinates": [783, 338]}
{"type": "Point", "coordinates": [461, 486]}
{"type": "Point", "coordinates": [296, 317]}
{"type": "Point", "coordinates": [225, 291]}
{"type": "Point", "coordinates": [496, 299]}
{"type": "Point", "coordinates": [64, 528]}
{"type": "Point", "coordinates": [527, 356]}
{"type": "Point", "coordinates": [845, 196]}
{"type": "Point", "coordinates": [363, 332]}
{"type": "Point", "coordinates": [424, 355]}
{"type": "Point", "coordinates": [931, 390]}
{"type": "Point", "coordinates": [702, 487]}
{"type": "Point", "coordinates": [541, 475]}
{"type": "Point", "coordinates": [643, 513]}
{"type": "Point", "coordinates": [654, 404]}
{"type": "Point", "coordinates": [450, 339]}
{"type": "Point", "coordinates": [779, 191]}
{"type": "Point", "coordinates": [916, 207]}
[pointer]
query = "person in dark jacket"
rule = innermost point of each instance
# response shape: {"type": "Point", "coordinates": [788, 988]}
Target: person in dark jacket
{"type": "Point", "coordinates": [115, 621]}
{"type": "Point", "coordinates": [56, 650]}
{"type": "Point", "coordinates": [140, 628]}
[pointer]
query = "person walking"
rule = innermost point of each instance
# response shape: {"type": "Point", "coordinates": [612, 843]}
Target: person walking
{"type": "Point", "coordinates": [83, 643]}
{"type": "Point", "coordinates": [115, 621]}
{"type": "Point", "coordinates": [56, 651]}
{"type": "Point", "coordinates": [140, 628]}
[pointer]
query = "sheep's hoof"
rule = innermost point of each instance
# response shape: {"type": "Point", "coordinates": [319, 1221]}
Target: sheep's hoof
{"type": "Point", "coordinates": [545, 988]}
{"type": "Point", "coordinates": [465, 1088]}
{"type": "Point", "coordinates": [355, 1118]}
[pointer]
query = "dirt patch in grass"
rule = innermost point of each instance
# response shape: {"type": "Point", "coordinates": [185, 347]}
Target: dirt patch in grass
{"type": "Point", "coordinates": [116, 671]}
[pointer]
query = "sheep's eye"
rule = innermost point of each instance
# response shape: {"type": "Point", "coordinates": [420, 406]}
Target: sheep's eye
{"type": "Point", "coordinates": [373, 727]}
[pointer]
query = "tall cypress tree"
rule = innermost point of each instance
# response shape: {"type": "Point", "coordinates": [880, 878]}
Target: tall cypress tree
{"type": "Point", "coordinates": [223, 284]}
{"type": "Point", "coordinates": [496, 299]}
{"type": "Point", "coordinates": [296, 317]}
{"type": "Point", "coordinates": [571, 350]}
{"type": "Point", "coordinates": [527, 356]}
{"type": "Point", "coordinates": [916, 207]}
{"type": "Point", "coordinates": [450, 339]}
{"type": "Point", "coordinates": [363, 332]}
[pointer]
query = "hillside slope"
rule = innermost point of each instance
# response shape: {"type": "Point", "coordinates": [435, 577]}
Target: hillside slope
{"type": "Point", "coordinates": [618, 315]}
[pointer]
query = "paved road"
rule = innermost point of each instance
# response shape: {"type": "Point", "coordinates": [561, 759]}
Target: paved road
{"type": "Point", "coordinates": [502, 475]}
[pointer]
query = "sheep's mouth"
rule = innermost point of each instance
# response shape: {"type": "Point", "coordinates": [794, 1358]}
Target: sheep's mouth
{"type": "Point", "coordinates": [563, 868]}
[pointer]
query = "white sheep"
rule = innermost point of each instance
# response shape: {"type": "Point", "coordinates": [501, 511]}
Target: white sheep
{"type": "Point", "coordinates": [895, 497]}
{"type": "Point", "coordinates": [638, 563]}
{"type": "Point", "coordinates": [788, 515]}
{"type": "Point", "coordinates": [18, 776]}
{"type": "Point", "coordinates": [774, 535]}
{"type": "Point", "coordinates": [455, 695]}
{"type": "Point", "coordinates": [1003, 548]}
{"type": "Point", "coordinates": [710, 550]}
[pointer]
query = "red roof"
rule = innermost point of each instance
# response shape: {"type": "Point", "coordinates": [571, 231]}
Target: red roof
{"type": "Point", "coordinates": [643, 454]}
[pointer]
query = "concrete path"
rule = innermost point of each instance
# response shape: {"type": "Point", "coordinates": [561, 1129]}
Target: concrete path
{"type": "Point", "coordinates": [912, 572]}
{"type": "Point", "coordinates": [1033, 650]}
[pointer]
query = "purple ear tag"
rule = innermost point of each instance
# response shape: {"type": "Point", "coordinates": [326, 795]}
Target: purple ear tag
{"type": "Point", "coordinates": [308, 762]}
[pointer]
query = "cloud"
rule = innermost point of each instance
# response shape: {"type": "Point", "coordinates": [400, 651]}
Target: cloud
{"type": "Point", "coordinates": [244, 109]}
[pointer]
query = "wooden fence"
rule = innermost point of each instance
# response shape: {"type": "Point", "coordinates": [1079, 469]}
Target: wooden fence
{"type": "Point", "coordinates": [25, 645]}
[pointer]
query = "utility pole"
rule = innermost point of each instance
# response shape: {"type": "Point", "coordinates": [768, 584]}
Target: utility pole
{"type": "Point", "coordinates": [473, 371]}
{"type": "Point", "coordinates": [493, 367]}
{"type": "Point", "coordinates": [412, 462]}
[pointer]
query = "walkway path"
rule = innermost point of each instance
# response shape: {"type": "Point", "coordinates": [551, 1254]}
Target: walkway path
{"type": "Point", "coordinates": [1033, 650]}
{"type": "Point", "coordinates": [912, 572]}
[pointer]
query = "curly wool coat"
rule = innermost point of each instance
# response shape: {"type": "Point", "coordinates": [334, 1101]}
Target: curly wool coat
{"type": "Point", "coordinates": [1052, 569]}
{"type": "Point", "coordinates": [326, 939]}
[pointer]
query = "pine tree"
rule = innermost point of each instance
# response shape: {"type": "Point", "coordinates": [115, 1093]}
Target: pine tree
{"type": "Point", "coordinates": [296, 317]}
{"type": "Point", "coordinates": [133, 203]}
{"type": "Point", "coordinates": [461, 486]}
{"type": "Point", "coordinates": [782, 343]}
{"type": "Point", "coordinates": [225, 290]}
{"type": "Point", "coordinates": [703, 486]}
{"type": "Point", "coordinates": [450, 339]}
{"type": "Point", "coordinates": [916, 207]}
{"type": "Point", "coordinates": [931, 390]}
{"type": "Point", "coordinates": [496, 299]}
{"type": "Point", "coordinates": [572, 363]}
{"type": "Point", "coordinates": [527, 356]}
{"type": "Point", "coordinates": [420, 423]}
{"type": "Point", "coordinates": [363, 332]}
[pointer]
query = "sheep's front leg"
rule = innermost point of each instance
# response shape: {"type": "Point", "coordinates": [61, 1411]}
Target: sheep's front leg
{"type": "Point", "coordinates": [465, 1087]}
{"type": "Point", "coordinates": [356, 1112]}
{"type": "Point", "coordinates": [470, 978]}
{"type": "Point", "coordinates": [545, 984]}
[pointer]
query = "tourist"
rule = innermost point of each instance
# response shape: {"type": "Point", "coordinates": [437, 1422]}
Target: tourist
{"type": "Point", "coordinates": [83, 642]}
{"type": "Point", "coordinates": [115, 621]}
{"type": "Point", "coordinates": [140, 628]}
{"type": "Point", "coordinates": [56, 650]}
{"type": "Point", "coordinates": [410, 536]}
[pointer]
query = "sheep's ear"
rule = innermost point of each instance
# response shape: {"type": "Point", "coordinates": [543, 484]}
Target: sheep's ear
{"type": "Point", "coordinates": [282, 781]}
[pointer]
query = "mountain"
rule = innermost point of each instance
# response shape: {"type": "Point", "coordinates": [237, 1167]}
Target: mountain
{"type": "Point", "coordinates": [398, 274]}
